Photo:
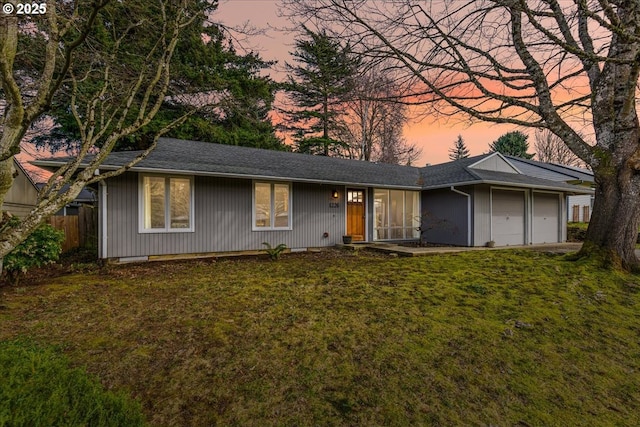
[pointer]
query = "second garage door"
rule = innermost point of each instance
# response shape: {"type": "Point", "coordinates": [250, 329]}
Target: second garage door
{"type": "Point", "coordinates": [546, 213]}
{"type": "Point", "coordinates": [507, 217]}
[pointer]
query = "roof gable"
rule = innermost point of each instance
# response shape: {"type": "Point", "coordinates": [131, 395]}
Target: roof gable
{"type": "Point", "coordinates": [495, 162]}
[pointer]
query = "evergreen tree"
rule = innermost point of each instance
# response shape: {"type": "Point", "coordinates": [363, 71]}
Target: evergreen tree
{"type": "Point", "coordinates": [234, 100]}
{"type": "Point", "coordinates": [459, 150]}
{"type": "Point", "coordinates": [512, 144]}
{"type": "Point", "coordinates": [317, 85]}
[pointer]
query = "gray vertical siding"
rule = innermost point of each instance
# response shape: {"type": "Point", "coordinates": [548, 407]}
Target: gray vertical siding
{"type": "Point", "coordinates": [481, 215]}
{"type": "Point", "coordinates": [444, 217]}
{"type": "Point", "coordinates": [222, 219]}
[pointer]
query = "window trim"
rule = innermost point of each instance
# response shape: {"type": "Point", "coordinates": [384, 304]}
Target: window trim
{"type": "Point", "coordinates": [271, 227]}
{"type": "Point", "coordinates": [167, 205]}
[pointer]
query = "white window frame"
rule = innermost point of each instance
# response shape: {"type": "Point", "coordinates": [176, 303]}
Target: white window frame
{"type": "Point", "coordinates": [167, 206]}
{"type": "Point", "coordinates": [271, 207]}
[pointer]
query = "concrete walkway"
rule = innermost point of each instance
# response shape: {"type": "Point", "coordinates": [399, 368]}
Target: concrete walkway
{"type": "Point", "coordinates": [409, 251]}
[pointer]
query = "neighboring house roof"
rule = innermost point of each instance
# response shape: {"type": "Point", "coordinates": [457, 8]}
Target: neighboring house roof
{"type": "Point", "coordinates": [203, 158]}
{"type": "Point", "coordinates": [26, 173]}
{"type": "Point", "coordinates": [552, 171]}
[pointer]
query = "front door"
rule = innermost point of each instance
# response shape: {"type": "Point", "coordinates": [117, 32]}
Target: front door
{"type": "Point", "coordinates": [356, 214]}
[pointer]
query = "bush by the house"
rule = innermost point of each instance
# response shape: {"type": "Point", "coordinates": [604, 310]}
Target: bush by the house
{"type": "Point", "coordinates": [38, 388]}
{"type": "Point", "coordinates": [576, 231]}
{"type": "Point", "coordinates": [42, 247]}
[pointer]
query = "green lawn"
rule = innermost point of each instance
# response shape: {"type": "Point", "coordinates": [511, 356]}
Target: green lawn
{"type": "Point", "coordinates": [478, 338]}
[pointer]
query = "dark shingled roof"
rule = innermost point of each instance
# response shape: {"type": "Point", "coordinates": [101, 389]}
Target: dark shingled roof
{"type": "Point", "coordinates": [203, 158]}
{"type": "Point", "coordinates": [445, 174]}
{"type": "Point", "coordinates": [459, 172]}
{"type": "Point", "coordinates": [551, 171]}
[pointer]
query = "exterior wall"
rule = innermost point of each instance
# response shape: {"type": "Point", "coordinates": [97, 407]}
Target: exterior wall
{"type": "Point", "coordinates": [444, 218]}
{"type": "Point", "coordinates": [21, 197]}
{"type": "Point", "coordinates": [222, 219]}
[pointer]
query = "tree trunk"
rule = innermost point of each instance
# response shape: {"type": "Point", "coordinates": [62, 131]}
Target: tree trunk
{"type": "Point", "coordinates": [613, 230]}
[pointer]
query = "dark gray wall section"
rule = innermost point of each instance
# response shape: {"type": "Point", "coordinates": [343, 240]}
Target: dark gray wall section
{"type": "Point", "coordinates": [222, 212]}
{"type": "Point", "coordinates": [444, 217]}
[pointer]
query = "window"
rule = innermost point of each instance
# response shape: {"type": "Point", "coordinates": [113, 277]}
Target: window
{"type": "Point", "coordinates": [355, 196]}
{"type": "Point", "coordinates": [166, 204]}
{"type": "Point", "coordinates": [396, 214]}
{"type": "Point", "coordinates": [271, 206]}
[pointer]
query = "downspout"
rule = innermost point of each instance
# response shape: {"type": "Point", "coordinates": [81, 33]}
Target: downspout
{"type": "Point", "coordinates": [103, 219]}
{"type": "Point", "coordinates": [468, 196]}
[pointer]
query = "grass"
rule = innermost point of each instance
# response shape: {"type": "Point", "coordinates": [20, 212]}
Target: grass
{"type": "Point", "coordinates": [39, 388]}
{"type": "Point", "coordinates": [476, 338]}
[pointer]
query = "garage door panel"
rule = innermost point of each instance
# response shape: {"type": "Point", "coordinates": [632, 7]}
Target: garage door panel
{"type": "Point", "coordinates": [546, 214]}
{"type": "Point", "coordinates": [508, 213]}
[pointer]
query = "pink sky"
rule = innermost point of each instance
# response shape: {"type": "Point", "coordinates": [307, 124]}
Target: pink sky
{"type": "Point", "coordinates": [435, 138]}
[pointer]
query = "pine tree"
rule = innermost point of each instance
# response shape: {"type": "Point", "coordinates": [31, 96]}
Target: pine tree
{"type": "Point", "coordinates": [317, 85]}
{"type": "Point", "coordinates": [459, 150]}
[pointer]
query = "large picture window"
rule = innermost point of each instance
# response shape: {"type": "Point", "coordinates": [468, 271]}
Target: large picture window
{"type": "Point", "coordinates": [396, 214]}
{"type": "Point", "coordinates": [271, 206]}
{"type": "Point", "coordinates": [166, 204]}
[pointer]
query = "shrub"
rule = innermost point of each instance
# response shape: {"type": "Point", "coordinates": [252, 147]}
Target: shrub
{"type": "Point", "coordinates": [42, 247]}
{"type": "Point", "coordinates": [39, 388]}
{"type": "Point", "coordinates": [576, 232]}
{"type": "Point", "coordinates": [274, 253]}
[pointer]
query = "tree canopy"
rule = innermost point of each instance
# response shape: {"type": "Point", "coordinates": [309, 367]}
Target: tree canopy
{"type": "Point", "coordinates": [234, 98]}
{"type": "Point", "coordinates": [317, 84]}
{"type": "Point", "coordinates": [512, 144]}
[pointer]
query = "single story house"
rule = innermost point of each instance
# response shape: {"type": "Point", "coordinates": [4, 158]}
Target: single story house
{"type": "Point", "coordinates": [198, 199]}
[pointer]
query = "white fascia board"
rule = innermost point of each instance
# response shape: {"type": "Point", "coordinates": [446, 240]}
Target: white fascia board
{"type": "Point", "coordinates": [577, 190]}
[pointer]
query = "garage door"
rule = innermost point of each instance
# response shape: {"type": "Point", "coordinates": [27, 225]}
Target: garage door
{"type": "Point", "coordinates": [546, 211]}
{"type": "Point", "coordinates": [507, 218]}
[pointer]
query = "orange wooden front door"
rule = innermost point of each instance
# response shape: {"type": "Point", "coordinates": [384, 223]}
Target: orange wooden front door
{"type": "Point", "coordinates": [356, 214]}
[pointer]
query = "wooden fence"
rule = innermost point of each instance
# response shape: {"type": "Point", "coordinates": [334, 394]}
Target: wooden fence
{"type": "Point", "coordinates": [80, 230]}
{"type": "Point", "coordinates": [575, 213]}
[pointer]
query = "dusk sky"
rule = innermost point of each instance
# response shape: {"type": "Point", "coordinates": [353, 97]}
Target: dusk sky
{"type": "Point", "coordinates": [435, 138]}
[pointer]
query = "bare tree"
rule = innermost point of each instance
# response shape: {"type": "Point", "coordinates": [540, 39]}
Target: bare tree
{"type": "Point", "coordinates": [550, 148]}
{"type": "Point", "coordinates": [545, 64]}
{"type": "Point", "coordinates": [373, 121]}
{"type": "Point", "coordinates": [69, 51]}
